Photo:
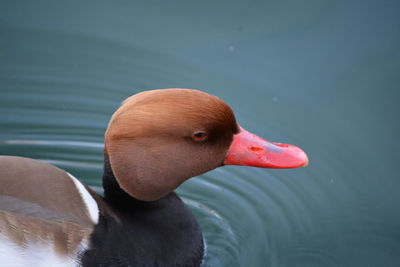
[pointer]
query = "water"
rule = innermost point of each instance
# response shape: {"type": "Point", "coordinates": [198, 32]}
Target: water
{"type": "Point", "coordinates": [321, 75]}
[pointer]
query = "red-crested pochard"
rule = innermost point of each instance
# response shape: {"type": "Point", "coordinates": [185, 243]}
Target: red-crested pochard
{"type": "Point", "coordinates": [154, 142]}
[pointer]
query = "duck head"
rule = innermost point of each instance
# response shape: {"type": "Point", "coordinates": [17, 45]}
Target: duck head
{"type": "Point", "coordinates": [158, 139]}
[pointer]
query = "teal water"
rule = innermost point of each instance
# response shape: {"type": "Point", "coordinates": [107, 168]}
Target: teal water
{"type": "Point", "coordinates": [323, 75]}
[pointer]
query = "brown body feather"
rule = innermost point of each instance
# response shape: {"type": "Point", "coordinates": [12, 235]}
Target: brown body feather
{"type": "Point", "coordinates": [39, 203]}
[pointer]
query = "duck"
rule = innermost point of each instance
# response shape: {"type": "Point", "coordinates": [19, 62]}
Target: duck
{"type": "Point", "coordinates": [155, 141]}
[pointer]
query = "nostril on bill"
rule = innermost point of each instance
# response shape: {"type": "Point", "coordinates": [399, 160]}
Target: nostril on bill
{"type": "Point", "coordinates": [256, 149]}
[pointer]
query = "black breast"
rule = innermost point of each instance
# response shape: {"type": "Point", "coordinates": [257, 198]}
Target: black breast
{"type": "Point", "coordinates": [159, 233]}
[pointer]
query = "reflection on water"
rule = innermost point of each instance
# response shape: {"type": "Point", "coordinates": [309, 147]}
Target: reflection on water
{"type": "Point", "coordinates": [323, 77]}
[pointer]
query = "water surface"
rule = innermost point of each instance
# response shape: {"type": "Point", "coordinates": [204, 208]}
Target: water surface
{"type": "Point", "coordinates": [318, 74]}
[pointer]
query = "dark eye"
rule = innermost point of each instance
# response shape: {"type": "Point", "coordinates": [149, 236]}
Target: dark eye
{"type": "Point", "coordinates": [199, 136]}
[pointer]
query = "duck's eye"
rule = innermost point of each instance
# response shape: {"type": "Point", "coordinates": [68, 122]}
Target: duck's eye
{"type": "Point", "coordinates": [199, 136]}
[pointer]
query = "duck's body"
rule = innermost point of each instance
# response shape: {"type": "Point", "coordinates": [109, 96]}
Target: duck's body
{"type": "Point", "coordinates": [154, 142]}
{"type": "Point", "coordinates": [46, 215]}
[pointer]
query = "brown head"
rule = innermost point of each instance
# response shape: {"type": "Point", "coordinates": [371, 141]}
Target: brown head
{"type": "Point", "coordinates": [158, 139]}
